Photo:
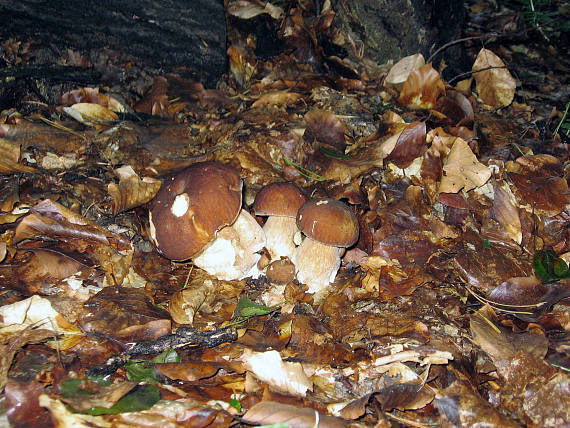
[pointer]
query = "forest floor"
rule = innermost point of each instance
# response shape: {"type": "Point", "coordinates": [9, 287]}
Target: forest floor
{"type": "Point", "coordinates": [451, 308]}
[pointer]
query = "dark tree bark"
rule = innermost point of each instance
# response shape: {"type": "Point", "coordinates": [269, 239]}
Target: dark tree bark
{"type": "Point", "coordinates": [392, 29]}
{"type": "Point", "coordinates": [183, 36]}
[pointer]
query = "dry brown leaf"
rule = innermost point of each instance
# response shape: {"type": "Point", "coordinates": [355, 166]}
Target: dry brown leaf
{"type": "Point", "coordinates": [242, 65]}
{"type": "Point", "coordinates": [250, 9]}
{"type": "Point", "coordinates": [91, 95]}
{"type": "Point", "coordinates": [422, 88]}
{"type": "Point", "coordinates": [410, 145]}
{"type": "Point", "coordinates": [12, 344]}
{"type": "Point", "coordinates": [271, 412]}
{"type": "Point", "coordinates": [185, 303]}
{"type": "Point", "coordinates": [326, 129]}
{"type": "Point", "coordinates": [506, 212]}
{"type": "Point", "coordinates": [495, 86]}
{"type": "Point", "coordinates": [462, 170]}
{"type": "Point", "coordinates": [10, 158]}
{"type": "Point", "coordinates": [278, 98]}
{"type": "Point", "coordinates": [89, 113]}
{"type": "Point", "coordinates": [103, 396]}
{"type": "Point", "coordinates": [287, 377]}
{"type": "Point", "coordinates": [400, 71]}
{"type": "Point", "coordinates": [131, 191]}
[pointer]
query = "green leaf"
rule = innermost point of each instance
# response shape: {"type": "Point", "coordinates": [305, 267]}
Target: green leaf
{"type": "Point", "coordinates": [143, 371]}
{"type": "Point", "coordinates": [548, 267]}
{"type": "Point", "coordinates": [73, 387]}
{"type": "Point", "coordinates": [246, 308]}
{"type": "Point", "coordinates": [168, 356]}
{"type": "Point", "coordinates": [235, 404]}
{"type": "Point", "coordinates": [140, 398]}
{"type": "Point", "coordinates": [486, 243]}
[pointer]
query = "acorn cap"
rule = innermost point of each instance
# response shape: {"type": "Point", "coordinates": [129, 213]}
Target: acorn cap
{"type": "Point", "coordinates": [279, 199]}
{"type": "Point", "coordinates": [192, 206]}
{"type": "Point", "coordinates": [328, 221]}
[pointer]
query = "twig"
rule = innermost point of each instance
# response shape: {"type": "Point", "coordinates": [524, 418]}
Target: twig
{"type": "Point", "coordinates": [486, 36]}
{"type": "Point", "coordinates": [184, 336]}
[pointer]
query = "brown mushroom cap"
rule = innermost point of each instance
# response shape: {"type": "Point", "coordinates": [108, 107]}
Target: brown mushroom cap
{"type": "Point", "coordinates": [279, 199]}
{"type": "Point", "coordinates": [329, 222]}
{"type": "Point", "coordinates": [192, 206]}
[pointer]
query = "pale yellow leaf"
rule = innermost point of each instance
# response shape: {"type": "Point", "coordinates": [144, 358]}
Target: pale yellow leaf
{"type": "Point", "coordinates": [495, 86]}
{"type": "Point", "coordinates": [462, 170]}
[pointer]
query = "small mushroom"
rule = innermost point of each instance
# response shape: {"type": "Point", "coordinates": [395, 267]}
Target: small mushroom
{"type": "Point", "coordinates": [280, 202]}
{"type": "Point", "coordinates": [197, 215]}
{"type": "Point", "coordinates": [330, 226]}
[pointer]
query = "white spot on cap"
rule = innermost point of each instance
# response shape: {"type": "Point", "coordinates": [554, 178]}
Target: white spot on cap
{"type": "Point", "coordinates": [180, 205]}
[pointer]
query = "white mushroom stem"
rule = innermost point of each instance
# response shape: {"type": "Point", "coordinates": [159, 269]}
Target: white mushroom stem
{"type": "Point", "coordinates": [233, 254]}
{"type": "Point", "coordinates": [279, 233]}
{"type": "Point", "coordinates": [316, 264]}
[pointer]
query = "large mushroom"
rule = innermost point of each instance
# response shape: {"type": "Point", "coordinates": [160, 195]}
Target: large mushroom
{"type": "Point", "coordinates": [280, 202]}
{"type": "Point", "coordinates": [197, 215]}
{"type": "Point", "coordinates": [330, 226]}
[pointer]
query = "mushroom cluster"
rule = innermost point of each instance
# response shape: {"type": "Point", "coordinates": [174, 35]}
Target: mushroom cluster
{"type": "Point", "coordinates": [197, 215]}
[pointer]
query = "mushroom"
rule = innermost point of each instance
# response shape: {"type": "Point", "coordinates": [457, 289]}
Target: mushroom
{"type": "Point", "coordinates": [280, 202]}
{"type": "Point", "coordinates": [197, 215]}
{"type": "Point", "coordinates": [330, 226]}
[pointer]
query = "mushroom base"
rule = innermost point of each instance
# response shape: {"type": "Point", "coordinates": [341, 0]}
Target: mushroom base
{"type": "Point", "coordinates": [316, 264]}
{"type": "Point", "coordinates": [279, 232]}
{"type": "Point", "coordinates": [233, 254]}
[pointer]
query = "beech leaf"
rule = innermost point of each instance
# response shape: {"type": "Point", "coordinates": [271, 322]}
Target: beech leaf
{"type": "Point", "coordinates": [495, 86]}
{"type": "Point", "coordinates": [462, 170]}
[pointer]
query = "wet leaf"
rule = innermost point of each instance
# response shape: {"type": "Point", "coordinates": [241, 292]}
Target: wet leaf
{"type": "Point", "coordinates": [144, 371]}
{"type": "Point", "coordinates": [246, 308]}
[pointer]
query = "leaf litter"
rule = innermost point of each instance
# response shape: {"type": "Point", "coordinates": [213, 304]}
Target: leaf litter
{"type": "Point", "coordinates": [451, 308]}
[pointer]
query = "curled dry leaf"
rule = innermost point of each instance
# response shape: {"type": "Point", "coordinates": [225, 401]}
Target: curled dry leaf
{"type": "Point", "coordinates": [131, 191]}
{"type": "Point", "coordinates": [9, 346]}
{"type": "Point", "coordinates": [462, 170]}
{"type": "Point", "coordinates": [410, 145]}
{"type": "Point", "coordinates": [103, 397]}
{"type": "Point", "coordinates": [2, 250]}
{"type": "Point", "coordinates": [90, 113]}
{"type": "Point", "coordinates": [400, 71]}
{"type": "Point", "coordinates": [91, 95]}
{"type": "Point", "coordinates": [10, 158]}
{"type": "Point", "coordinates": [242, 65]}
{"type": "Point", "coordinates": [287, 377]}
{"type": "Point", "coordinates": [185, 303]}
{"type": "Point", "coordinates": [326, 128]}
{"type": "Point", "coordinates": [250, 9]}
{"type": "Point", "coordinates": [495, 85]}
{"type": "Point", "coordinates": [63, 417]}
{"type": "Point", "coordinates": [506, 212]}
{"type": "Point", "coordinates": [278, 98]}
{"type": "Point", "coordinates": [422, 88]}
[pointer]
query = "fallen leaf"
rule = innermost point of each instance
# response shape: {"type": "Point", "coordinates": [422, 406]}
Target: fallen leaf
{"type": "Point", "coordinates": [422, 88]}
{"type": "Point", "coordinates": [270, 412]}
{"type": "Point", "coordinates": [90, 113]}
{"type": "Point", "coordinates": [10, 158]}
{"type": "Point", "coordinates": [462, 170]}
{"type": "Point", "coordinates": [495, 85]}
{"type": "Point", "coordinates": [506, 212]}
{"type": "Point", "coordinates": [250, 9]}
{"type": "Point", "coordinates": [287, 377]}
{"type": "Point", "coordinates": [400, 71]}
{"type": "Point", "coordinates": [131, 191]}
